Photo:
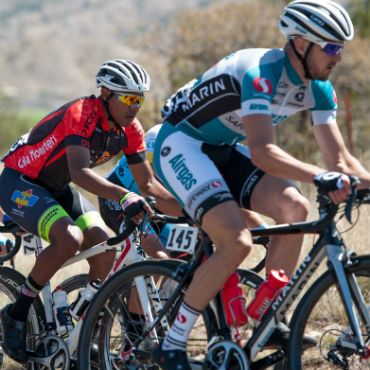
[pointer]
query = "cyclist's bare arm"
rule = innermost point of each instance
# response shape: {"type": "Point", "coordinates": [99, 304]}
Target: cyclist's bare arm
{"type": "Point", "coordinates": [82, 175]}
{"type": "Point", "coordinates": [275, 161]}
{"type": "Point", "coordinates": [269, 157]}
{"type": "Point", "coordinates": [150, 186]}
{"type": "Point", "coordinates": [336, 155]}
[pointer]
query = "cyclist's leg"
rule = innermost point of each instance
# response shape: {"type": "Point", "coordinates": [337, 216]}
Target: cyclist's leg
{"type": "Point", "coordinates": [89, 221]}
{"type": "Point", "coordinates": [227, 229]}
{"type": "Point", "coordinates": [280, 199]}
{"type": "Point", "coordinates": [37, 211]}
{"type": "Point", "coordinates": [193, 177]}
{"type": "Point", "coordinates": [271, 196]}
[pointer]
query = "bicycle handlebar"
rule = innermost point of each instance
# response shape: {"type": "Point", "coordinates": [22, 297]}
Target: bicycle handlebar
{"type": "Point", "coordinates": [327, 210]}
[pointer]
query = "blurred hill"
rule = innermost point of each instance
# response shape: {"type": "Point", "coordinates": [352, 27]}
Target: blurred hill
{"type": "Point", "coordinates": [50, 50]}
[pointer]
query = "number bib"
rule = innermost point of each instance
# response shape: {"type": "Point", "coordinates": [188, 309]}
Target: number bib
{"type": "Point", "coordinates": [182, 238]}
{"type": "Point", "coordinates": [30, 243]}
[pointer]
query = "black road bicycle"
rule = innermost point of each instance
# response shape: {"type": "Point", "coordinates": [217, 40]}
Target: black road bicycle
{"type": "Point", "coordinates": [334, 310]}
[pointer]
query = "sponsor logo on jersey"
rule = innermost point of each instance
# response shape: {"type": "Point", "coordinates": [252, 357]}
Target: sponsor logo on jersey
{"type": "Point", "coordinates": [35, 153]}
{"type": "Point", "coordinates": [88, 123]}
{"type": "Point", "coordinates": [234, 122]}
{"type": "Point", "coordinates": [277, 118]}
{"type": "Point", "coordinates": [24, 198]}
{"type": "Point", "coordinates": [262, 85]}
{"type": "Point", "coordinates": [165, 151]}
{"type": "Point", "coordinates": [299, 96]}
{"type": "Point", "coordinates": [258, 107]}
{"type": "Point", "coordinates": [183, 173]}
{"type": "Point", "coordinates": [104, 157]}
{"type": "Point", "coordinates": [200, 194]}
{"type": "Point", "coordinates": [205, 91]}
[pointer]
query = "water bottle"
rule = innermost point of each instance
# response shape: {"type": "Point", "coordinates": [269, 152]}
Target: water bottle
{"type": "Point", "coordinates": [267, 293]}
{"type": "Point", "coordinates": [79, 306]}
{"type": "Point", "coordinates": [234, 301]}
{"type": "Point", "coordinates": [63, 320]}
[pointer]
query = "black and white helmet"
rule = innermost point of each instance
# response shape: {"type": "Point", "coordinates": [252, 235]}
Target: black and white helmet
{"type": "Point", "coordinates": [123, 75]}
{"type": "Point", "coordinates": [316, 21]}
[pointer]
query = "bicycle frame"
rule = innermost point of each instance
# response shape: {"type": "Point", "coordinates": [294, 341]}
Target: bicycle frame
{"type": "Point", "coordinates": [329, 244]}
{"type": "Point", "coordinates": [130, 252]}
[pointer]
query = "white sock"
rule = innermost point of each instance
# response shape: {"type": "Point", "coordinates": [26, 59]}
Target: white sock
{"type": "Point", "coordinates": [181, 328]}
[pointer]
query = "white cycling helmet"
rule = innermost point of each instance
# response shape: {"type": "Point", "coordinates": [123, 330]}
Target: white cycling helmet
{"type": "Point", "coordinates": [316, 21]}
{"type": "Point", "coordinates": [123, 75]}
{"type": "Point", "coordinates": [150, 138]}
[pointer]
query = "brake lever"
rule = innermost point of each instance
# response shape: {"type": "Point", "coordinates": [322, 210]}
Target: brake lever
{"type": "Point", "coordinates": [348, 210]}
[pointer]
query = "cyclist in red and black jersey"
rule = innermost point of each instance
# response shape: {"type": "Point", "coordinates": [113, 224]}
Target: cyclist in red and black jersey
{"type": "Point", "coordinates": [63, 147]}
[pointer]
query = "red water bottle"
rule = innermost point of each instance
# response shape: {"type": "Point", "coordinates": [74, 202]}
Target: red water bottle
{"type": "Point", "coordinates": [267, 293]}
{"type": "Point", "coordinates": [234, 301]}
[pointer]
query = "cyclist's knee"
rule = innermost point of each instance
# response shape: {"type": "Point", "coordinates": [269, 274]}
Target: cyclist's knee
{"type": "Point", "coordinates": [293, 208]}
{"type": "Point", "coordinates": [235, 244]}
{"type": "Point", "coordinates": [93, 235]}
{"type": "Point", "coordinates": [70, 240]}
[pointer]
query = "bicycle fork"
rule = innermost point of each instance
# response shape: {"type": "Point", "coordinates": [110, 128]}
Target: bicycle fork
{"type": "Point", "coordinates": [350, 292]}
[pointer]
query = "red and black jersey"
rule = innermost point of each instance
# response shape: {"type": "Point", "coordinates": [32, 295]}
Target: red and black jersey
{"type": "Point", "coordinates": [41, 153]}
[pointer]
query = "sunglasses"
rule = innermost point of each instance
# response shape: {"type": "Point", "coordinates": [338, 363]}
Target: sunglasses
{"type": "Point", "coordinates": [331, 49]}
{"type": "Point", "coordinates": [130, 99]}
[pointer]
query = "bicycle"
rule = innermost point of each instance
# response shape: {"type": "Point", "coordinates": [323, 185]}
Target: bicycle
{"type": "Point", "coordinates": [48, 350]}
{"type": "Point", "coordinates": [129, 346]}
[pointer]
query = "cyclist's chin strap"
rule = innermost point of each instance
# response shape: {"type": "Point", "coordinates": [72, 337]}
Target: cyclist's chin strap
{"type": "Point", "coordinates": [106, 106]}
{"type": "Point", "coordinates": [303, 59]}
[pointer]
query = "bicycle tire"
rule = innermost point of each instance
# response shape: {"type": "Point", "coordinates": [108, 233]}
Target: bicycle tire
{"type": "Point", "coordinates": [10, 283]}
{"type": "Point", "coordinates": [249, 281]}
{"type": "Point", "coordinates": [320, 313]}
{"type": "Point", "coordinates": [100, 319]}
{"type": "Point", "coordinates": [12, 249]}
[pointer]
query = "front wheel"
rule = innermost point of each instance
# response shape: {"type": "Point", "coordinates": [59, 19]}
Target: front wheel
{"type": "Point", "coordinates": [10, 283]}
{"type": "Point", "coordinates": [322, 315]}
{"type": "Point", "coordinates": [111, 335]}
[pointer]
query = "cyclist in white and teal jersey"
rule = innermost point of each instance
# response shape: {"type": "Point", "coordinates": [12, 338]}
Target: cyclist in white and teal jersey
{"type": "Point", "coordinates": [198, 158]}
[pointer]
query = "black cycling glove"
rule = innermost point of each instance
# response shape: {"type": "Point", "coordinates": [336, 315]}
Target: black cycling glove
{"type": "Point", "coordinates": [328, 181]}
{"type": "Point", "coordinates": [132, 204]}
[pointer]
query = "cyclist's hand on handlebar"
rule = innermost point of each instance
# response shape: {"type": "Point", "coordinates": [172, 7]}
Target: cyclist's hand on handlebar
{"type": "Point", "coordinates": [335, 184]}
{"type": "Point", "coordinates": [134, 206]}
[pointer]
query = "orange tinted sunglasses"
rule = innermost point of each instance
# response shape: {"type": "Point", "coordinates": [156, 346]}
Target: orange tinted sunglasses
{"type": "Point", "coordinates": [130, 99]}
